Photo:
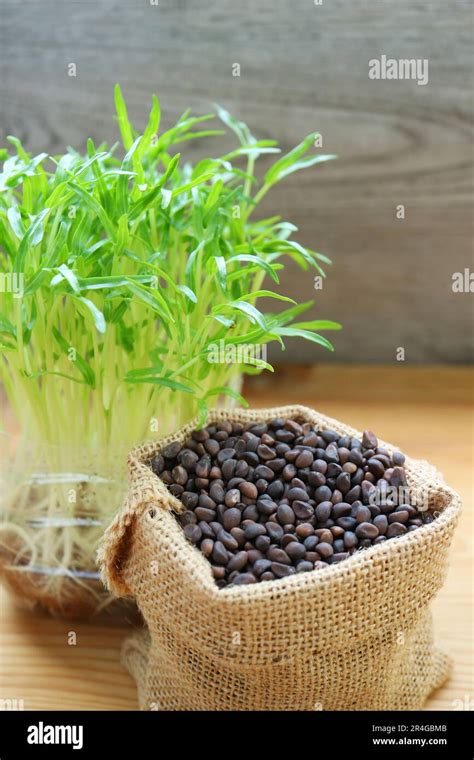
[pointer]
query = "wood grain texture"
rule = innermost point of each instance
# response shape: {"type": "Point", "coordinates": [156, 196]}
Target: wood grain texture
{"type": "Point", "coordinates": [303, 67]}
{"type": "Point", "coordinates": [427, 412]}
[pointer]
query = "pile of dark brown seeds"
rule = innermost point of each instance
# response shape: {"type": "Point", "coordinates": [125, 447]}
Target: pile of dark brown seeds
{"type": "Point", "coordinates": [268, 500]}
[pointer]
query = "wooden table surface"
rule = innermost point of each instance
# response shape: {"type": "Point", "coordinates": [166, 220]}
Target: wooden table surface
{"type": "Point", "coordinates": [427, 412]}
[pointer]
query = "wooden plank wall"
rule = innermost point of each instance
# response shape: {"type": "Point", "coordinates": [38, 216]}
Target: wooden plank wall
{"type": "Point", "coordinates": [303, 67]}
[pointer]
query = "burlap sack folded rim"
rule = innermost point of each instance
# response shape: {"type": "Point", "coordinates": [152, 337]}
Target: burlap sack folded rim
{"type": "Point", "coordinates": [148, 492]}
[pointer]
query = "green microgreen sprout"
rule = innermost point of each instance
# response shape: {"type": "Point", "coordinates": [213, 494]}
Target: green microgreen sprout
{"type": "Point", "coordinates": [119, 276]}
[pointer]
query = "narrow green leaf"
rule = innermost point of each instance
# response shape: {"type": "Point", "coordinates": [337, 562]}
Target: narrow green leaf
{"type": "Point", "coordinates": [52, 373]}
{"type": "Point", "coordinates": [224, 321]}
{"type": "Point", "coordinates": [266, 294]}
{"type": "Point", "coordinates": [289, 158]}
{"type": "Point", "coordinates": [94, 206]}
{"type": "Point", "coordinates": [223, 390]}
{"type": "Point", "coordinates": [317, 324]}
{"type": "Point", "coordinates": [240, 129]}
{"type": "Point", "coordinates": [31, 238]}
{"type": "Point", "coordinates": [96, 314]}
{"type": "Point", "coordinates": [66, 274]}
{"type": "Point", "coordinates": [189, 185]}
{"type": "Point", "coordinates": [305, 253]}
{"type": "Point", "coordinates": [125, 127]}
{"type": "Point", "coordinates": [166, 197]}
{"type": "Point", "coordinates": [284, 317]}
{"type": "Point", "coordinates": [144, 372]}
{"type": "Point", "coordinates": [122, 195]}
{"type": "Point", "coordinates": [164, 381]}
{"type": "Point", "coordinates": [293, 161]}
{"type": "Point", "coordinates": [75, 358]}
{"type": "Point", "coordinates": [151, 298]}
{"type": "Point", "coordinates": [258, 261]}
{"type": "Point", "coordinates": [312, 337]}
{"type": "Point", "coordinates": [149, 198]}
{"type": "Point", "coordinates": [25, 157]}
{"type": "Point", "coordinates": [113, 281]}
{"type": "Point", "coordinates": [7, 327]}
{"type": "Point", "coordinates": [303, 163]}
{"type": "Point", "coordinates": [118, 312]}
{"type": "Point", "coordinates": [190, 270]}
{"type": "Point", "coordinates": [221, 270]}
{"type": "Point", "coordinates": [188, 293]}
{"type": "Point", "coordinates": [251, 312]}
{"type": "Point", "coordinates": [16, 222]}
{"type": "Point", "coordinates": [151, 128]}
{"type": "Point", "coordinates": [259, 363]}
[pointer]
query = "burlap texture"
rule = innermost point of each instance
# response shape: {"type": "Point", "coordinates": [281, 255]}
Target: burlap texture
{"type": "Point", "coordinates": [355, 636]}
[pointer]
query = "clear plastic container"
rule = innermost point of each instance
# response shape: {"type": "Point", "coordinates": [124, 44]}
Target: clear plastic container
{"type": "Point", "coordinates": [55, 502]}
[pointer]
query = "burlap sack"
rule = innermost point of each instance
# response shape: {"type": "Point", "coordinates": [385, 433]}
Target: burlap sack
{"type": "Point", "coordinates": [355, 636]}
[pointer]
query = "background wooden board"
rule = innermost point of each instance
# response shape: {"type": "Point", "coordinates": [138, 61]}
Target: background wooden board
{"type": "Point", "coordinates": [427, 412]}
{"type": "Point", "coordinates": [303, 67]}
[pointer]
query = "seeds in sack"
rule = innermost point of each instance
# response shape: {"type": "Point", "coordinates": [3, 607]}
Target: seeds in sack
{"type": "Point", "coordinates": [268, 500]}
